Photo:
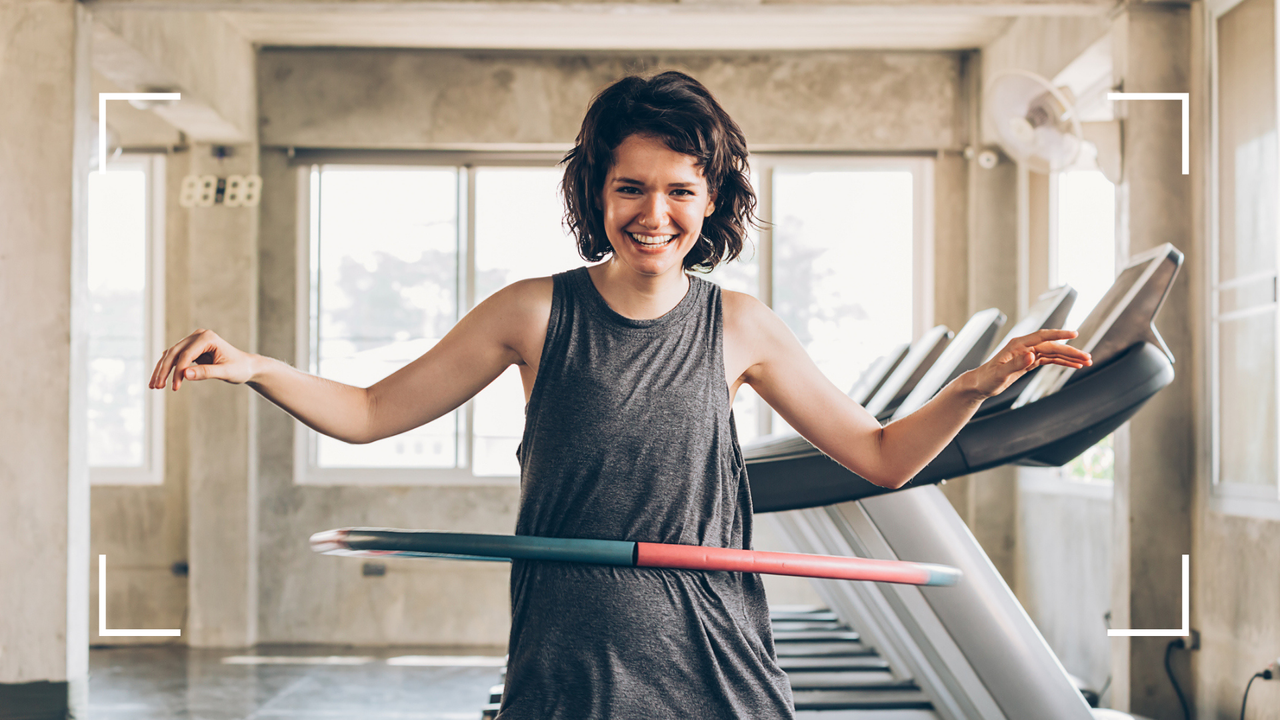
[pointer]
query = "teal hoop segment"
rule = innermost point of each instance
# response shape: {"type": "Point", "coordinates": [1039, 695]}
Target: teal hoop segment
{"type": "Point", "coordinates": [492, 547]}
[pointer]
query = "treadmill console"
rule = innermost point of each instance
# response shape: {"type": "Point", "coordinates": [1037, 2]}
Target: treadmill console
{"type": "Point", "coordinates": [1124, 316]}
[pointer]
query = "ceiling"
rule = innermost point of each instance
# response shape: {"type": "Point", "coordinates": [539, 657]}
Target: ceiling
{"type": "Point", "coordinates": [621, 28]}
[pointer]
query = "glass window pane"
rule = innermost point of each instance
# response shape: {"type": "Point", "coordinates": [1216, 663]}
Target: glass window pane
{"type": "Point", "coordinates": [387, 264]}
{"type": "Point", "coordinates": [1247, 234]}
{"type": "Point", "coordinates": [1086, 260]}
{"type": "Point", "coordinates": [842, 265]}
{"type": "Point", "coordinates": [1247, 140]}
{"type": "Point", "coordinates": [518, 235]}
{"type": "Point", "coordinates": [1247, 400]}
{"type": "Point", "coordinates": [1086, 252]}
{"type": "Point", "coordinates": [118, 318]}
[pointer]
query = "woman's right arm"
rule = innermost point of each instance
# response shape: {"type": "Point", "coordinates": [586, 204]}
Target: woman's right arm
{"type": "Point", "coordinates": [475, 352]}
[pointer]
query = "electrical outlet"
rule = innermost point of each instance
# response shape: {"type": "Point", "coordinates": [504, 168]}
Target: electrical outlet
{"type": "Point", "coordinates": [1274, 667]}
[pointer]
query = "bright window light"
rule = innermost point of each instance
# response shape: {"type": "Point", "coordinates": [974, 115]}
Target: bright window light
{"type": "Point", "coordinates": [843, 265]}
{"type": "Point", "coordinates": [125, 291]}
{"type": "Point", "coordinates": [1086, 260]}
{"type": "Point", "coordinates": [385, 263]}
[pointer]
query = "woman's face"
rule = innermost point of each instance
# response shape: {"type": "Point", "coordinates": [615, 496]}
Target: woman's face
{"type": "Point", "coordinates": [654, 202]}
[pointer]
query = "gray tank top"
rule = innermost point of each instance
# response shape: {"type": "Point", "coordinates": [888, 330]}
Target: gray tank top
{"type": "Point", "coordinates": [629, 436]}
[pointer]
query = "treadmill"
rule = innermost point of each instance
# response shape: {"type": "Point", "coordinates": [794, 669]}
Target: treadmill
{"type": "Point", "coordinates": [837, 672]}
{"type": "Point", "coordinates": [971, 649]}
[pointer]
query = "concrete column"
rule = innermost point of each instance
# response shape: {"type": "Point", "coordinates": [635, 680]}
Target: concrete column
{"type": "Point", "coordinates": [44, 479]}
{"type": "Point", "coordinates": [222, 472]}
{"type": "Point", "coordinates": [1151, 47]}
{"type": "Point", "coordinates": [991, 497]}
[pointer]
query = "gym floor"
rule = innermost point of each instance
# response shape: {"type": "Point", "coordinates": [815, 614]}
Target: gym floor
{"type": "Point", "coordinates": [290, 682]}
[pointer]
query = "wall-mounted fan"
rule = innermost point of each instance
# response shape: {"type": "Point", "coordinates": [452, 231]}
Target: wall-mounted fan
{"type": "Point", "coordinates": [1035, 122]}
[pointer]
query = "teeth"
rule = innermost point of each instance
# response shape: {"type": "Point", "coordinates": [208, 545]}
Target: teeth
{"type": "Point", "coordinates": [652, 241]}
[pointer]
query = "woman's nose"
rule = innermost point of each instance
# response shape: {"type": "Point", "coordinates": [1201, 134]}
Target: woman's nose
{"type": "Point", "coordinates": [654, 212]}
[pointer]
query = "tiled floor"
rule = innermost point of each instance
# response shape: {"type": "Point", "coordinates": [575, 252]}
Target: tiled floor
{"type": "Point", "coordinates": [177, 683]}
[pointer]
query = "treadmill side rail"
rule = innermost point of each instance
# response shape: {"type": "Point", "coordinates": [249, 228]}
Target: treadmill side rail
{"type": "Point", "coordinates": [1054, 429]}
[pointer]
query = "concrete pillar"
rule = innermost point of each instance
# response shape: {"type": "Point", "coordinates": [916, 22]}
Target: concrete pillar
{"type": "Point", "coordinates": [1151, 47]}
{"type": "Point", "coordinates": [991, 497]}
{"type": "Point", "coordinates": [222, 473]}
{"type": "Point", "coordinates": [44, 479]}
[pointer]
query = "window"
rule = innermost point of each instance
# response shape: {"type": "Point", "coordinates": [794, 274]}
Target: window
{"type": "Point", "coordinates": [1242, 262]}
{"type": "Point", "coordinates": [126, 321]}
{"type": "Point", "coordinates": [1084, 257]}
{"type": "Point", "coordinates": [395, 255]}
{"type": "Point", "coordinates": [851, 250]}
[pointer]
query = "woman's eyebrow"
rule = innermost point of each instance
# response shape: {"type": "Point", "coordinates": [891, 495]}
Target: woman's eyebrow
{"type": "Point", "coordinates": [631, 181]}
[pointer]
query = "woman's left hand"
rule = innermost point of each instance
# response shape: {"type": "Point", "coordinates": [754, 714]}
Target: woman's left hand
{"type": "Point", "coordinates": [1025, 354]}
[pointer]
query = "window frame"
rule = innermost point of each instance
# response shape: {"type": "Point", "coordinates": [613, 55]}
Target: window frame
{"type": "Point", "coordinates": [151, 472]}
{"type": "Point", "coordinates": [1227, 497]}
{"type": "Point", "coordinates": [306, 472]}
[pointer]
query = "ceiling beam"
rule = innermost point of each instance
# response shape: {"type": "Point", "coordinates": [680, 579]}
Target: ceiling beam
{"type": "Point", "coordinates": [980, 7]}
{"type": "Point", "coordinates": [196, 54]}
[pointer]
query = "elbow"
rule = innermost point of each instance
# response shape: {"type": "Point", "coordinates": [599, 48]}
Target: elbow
{"type": "Point", "coordinates": [366, 434]}
{"type": "Point", "coordinates": [888, 478]}
{"type": "Point", "coordinates": [889, 481]}
{"type": "Point", "coordinates": [898, 482]}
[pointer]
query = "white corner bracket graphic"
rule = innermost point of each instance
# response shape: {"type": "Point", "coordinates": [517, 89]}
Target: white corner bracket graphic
{"type": "Point", "coordinates": [1186, 118]}
{"type": "Point", "coordinates": [102, 117]}
{"type": "Point", "coordinates": [102, 611]}
{"type": "Point", "coordinates": [1185, 630]}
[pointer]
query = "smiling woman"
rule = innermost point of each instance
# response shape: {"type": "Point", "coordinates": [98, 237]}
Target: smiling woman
{"type": "Point", "coordinates": [629, 368]}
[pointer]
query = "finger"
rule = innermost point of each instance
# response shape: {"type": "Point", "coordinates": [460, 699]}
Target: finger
{"type": "Point", "coordinates": [166, 364]}
{"type": "Point", "coordinates": [1063, 351]}
{"type": "Point", "coordinates": [155, 373]}
{"type": "Point", "coordinates": [204, 372]}
{"type": "Point", "coordinates": [1050, 334]}
{"type": "Point", "coordinates": [184, 359]}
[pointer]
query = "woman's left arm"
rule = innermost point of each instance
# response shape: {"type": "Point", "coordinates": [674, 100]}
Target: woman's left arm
{"type": "Point", "coordinates": [786, 377]}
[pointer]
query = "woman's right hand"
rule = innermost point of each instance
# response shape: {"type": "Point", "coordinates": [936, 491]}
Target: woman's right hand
{"type": "Point", "coordinates": [202, 355]}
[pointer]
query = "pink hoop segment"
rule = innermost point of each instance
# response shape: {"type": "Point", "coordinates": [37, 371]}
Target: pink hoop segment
{"type": "Point", "coordinates": [692, 557]}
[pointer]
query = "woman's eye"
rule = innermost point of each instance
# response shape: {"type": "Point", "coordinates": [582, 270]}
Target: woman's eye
{"type": "Point", "coordinates": [628, 190]}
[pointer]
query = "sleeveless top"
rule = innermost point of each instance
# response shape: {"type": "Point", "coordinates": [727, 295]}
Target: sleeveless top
{"type": "Point", "coordinates": [629, 436]}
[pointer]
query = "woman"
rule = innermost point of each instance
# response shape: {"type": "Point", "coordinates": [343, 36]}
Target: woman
{"type": "Point", "coordinates": [630, 367]}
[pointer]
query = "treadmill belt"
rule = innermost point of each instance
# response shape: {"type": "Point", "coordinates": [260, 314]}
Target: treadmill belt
{"type": "Point", "coordinates": [912, 699]}
{"type": "Point", "coordinates": [833, 674]}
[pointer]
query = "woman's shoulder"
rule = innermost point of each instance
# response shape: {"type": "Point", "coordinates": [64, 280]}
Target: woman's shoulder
{"type": "Point", "coordinates": [739, 307]}
{"type": "Point", "coordinates": [530, 295]}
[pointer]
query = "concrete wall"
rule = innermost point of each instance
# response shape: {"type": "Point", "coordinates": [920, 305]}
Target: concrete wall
{"type": "Point", "coordinates": [44, 480]}
{"type": "Point", "coordinates": [1063, 583]}
{"type": "Point", "coordinates": [439, 99]}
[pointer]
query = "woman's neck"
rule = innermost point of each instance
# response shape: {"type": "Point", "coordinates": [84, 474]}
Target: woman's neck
{"type": "Point", "coordinates": [636, 296]}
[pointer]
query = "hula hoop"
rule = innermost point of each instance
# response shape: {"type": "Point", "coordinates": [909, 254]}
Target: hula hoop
{"type": "Point", "coordinates": [378, 542]}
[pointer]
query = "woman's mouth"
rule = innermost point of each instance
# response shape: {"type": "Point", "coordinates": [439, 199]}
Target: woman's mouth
{"type": "Point", "coordinates": [651, 241]}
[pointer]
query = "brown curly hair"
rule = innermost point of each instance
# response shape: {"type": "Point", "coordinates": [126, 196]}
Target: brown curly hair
{"type": "Point", "coordinates": [681, 112]}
